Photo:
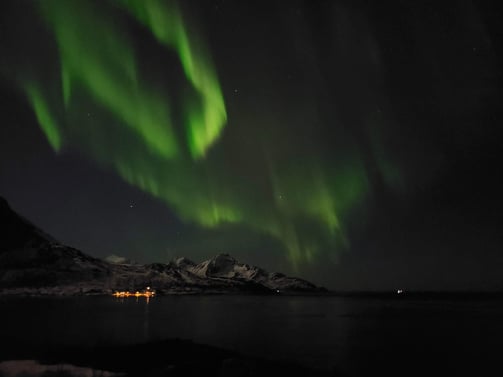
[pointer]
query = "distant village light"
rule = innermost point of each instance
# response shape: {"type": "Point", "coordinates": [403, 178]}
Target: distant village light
{"type": "Point", "coordinates": [146, 293]}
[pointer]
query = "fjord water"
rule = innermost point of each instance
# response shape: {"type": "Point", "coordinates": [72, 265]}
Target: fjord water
{"type": "Point", "coordinates": [354, 336]}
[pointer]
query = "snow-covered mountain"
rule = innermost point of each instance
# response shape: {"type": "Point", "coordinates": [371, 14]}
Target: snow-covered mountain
{"type": "Point", "coordinates": [226, 267]}
{"type": "Point", "coordinates": [32, 262]}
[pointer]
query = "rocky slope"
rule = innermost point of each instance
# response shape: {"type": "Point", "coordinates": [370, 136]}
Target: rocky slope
{"type": "Point", "coordinates": [29, 258]}
{"type": "Point", "coordinates": [32, 262]}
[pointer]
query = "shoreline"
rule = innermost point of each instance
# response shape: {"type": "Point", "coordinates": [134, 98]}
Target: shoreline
{"type": "Point", "coordinates": [72, 291]}
{"type": "Point", "coordinates": [157, 358]}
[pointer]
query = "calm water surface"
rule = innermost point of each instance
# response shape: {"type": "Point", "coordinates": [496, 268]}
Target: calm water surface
{"type": "Point", "coordinates": [353, 335]}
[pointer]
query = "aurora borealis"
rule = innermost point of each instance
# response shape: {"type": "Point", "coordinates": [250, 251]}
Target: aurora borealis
{"type": "Point", "coordinates": [306, 131]}
{"type": "Point", "coordinates": [167, 158]}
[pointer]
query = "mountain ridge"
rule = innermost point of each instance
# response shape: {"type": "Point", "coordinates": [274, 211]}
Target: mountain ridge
{"type": "Point", "coordinates": [34, 263]}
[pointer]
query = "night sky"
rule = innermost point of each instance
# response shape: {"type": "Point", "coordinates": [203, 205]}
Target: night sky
{"type": "Point", "coordinates": [353, 143]}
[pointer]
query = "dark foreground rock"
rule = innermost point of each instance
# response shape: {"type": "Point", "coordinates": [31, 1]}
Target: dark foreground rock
{"type": "Point", "coordinates": [163, 358]}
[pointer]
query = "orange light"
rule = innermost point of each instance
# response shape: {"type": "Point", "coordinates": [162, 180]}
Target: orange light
{"type": "Point", "coordinates": [147, 293]}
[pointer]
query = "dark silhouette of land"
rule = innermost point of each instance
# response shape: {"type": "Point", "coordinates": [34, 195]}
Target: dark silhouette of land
{"type": "Point", "coordinates": [163, 358]}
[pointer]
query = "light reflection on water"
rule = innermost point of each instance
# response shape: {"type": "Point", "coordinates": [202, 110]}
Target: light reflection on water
{"type": "Point", "coordinates": [292, 328]}
{"type": "Point", "coordinates": [317, 331]}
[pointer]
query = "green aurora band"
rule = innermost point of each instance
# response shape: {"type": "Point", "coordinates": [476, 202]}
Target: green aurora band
{"type": "Point", "coordinates": [172, 149]}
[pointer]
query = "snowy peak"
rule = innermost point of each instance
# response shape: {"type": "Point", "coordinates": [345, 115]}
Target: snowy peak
{"type": "Point", "coordinates": [115, 259]}
{"type": "Point", "coordinates": [223, 266]}
{"type": "Point", "coordinates": [183, 262]}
